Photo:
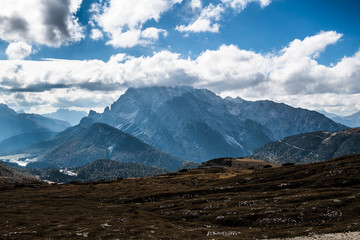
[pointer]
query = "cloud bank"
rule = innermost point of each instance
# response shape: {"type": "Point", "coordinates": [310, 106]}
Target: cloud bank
{"type": "Point", "coordinates": [291, 75]}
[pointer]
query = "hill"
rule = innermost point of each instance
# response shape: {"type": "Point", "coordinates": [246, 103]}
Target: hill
{"type": "Point", "coordinates": [198, 204]}
{"type": "Point", "coordinates": [101, 169]}
{"type": "Point", "coordinates": [198, 125]}
{"type": "Point", "coordinates": [310, 147]}
{"type": "Point", "coordinates": [105, 169]}
{"type": "Point", "coordinates": [10, 176]}
{"type": "Point", "coordinates": [237, 163]}
{"type": "Point", "coordinates": [87, 142]}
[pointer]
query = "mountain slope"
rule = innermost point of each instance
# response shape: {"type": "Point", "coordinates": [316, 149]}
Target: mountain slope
{"type": "Point", "coordinates": [311, 147]}
{"type": "Point", "coordinates": [281, 119]}
{"type": "Point", "coordinates": [199, 125]}
{"type": "Point", "coordinates": [25, 140]}
{"type": "Point", "coordinates": [190, 123]}
{"type": "Point", "coordinates": [12, 123]}
{"type": "Point", "coordinates": [82, 144]}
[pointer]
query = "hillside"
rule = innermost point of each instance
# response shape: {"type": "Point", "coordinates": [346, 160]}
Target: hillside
{"type": "Point", "coordinates": [101, 169]}
{"type": "Point", "coordinates": [198, 204]}
{"type": "Point", "coordinates": [109, 169]}
{"type": "Point", "coordinates": [198, 125]}
{"type": "Point", "coordinates": [85, 143]}
{"type": "Point", "coordinates": [310, 147]}
{"type": "Point", "coordinates": [10, 176]}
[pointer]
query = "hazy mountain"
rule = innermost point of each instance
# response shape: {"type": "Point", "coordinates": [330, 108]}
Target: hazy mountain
{"type": "Point", "coordinates": [82, 144]}
{"type": "Point", "coordinates": [199, 125]}
{"type": "Point", "coordinates": [25, 140]}
{"type": "Point", "coordinates": [311, 147]}
{"type": "Point", "coordinates": [12, 123]}
{"type": "Point", "coordinates": [351, 120]}
{"type": "Point", "coordinates": [71, 116]}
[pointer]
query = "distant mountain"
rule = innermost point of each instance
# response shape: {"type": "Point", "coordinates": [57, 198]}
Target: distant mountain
{"type": "Point", "coordinates": [351, 120]}
{"type": "Point", "coordinates": [198, 125]}
{"type": "Point", "coordinates": [12, 123]}
{"type": "Point", "coordinates": [71, 116]}
{"type": "Point", "coordinates": [25, 140]}
{"type": "Point", "coordinates": [85, 143]}
{"type": "Point", "coordinates": [311, 147]}
{"type": "Point", "coordinates": [281, 119]}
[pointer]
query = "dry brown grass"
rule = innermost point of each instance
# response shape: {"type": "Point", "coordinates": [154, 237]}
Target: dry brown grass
{"type": "Point", "coordinates": [209, 203]}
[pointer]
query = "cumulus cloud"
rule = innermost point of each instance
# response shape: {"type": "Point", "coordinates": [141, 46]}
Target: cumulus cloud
{"type": "Point", "coordinates": [18, 50]}
{"type": "Point", "coordinates": [291, 75]}
{"type": "Point", "coordinates": [96, 34]}
{"type": "Point", "coordinates": [48, 22]}
{"type": "Point", "coordinates": [207, 19]}
{"type": "Point", "coordinates": [123, 20]}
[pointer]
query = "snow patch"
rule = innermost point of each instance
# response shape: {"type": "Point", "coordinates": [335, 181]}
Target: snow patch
{"type": "Point", "coordinates": [232, 141]}
{"type": "Point", "coordinates": [68, 172]}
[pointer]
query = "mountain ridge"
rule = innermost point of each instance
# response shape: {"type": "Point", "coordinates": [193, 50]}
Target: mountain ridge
{"type": "Point", "coordinates": [199, 125]}
{"type": "Point", "coordinates": [311, 147]}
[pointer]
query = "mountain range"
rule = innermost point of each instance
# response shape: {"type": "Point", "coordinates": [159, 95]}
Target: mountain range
{"type": "Point", "coordinates": [352, 120]}
{"type": "Point", "coordinates": [198, 125]}
{"type": "Point", "coordinates": [310, 147]}
{"type": "Point", "coordinates": [30, 128]}
{"type": "Point", "coordinates": [88, 141]}
{"type": "Point", "coordinates": [160, 127]}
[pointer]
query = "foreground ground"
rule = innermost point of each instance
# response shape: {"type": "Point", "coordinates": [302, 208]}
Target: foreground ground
{"type": "Point", "coordinates": [210, 203]}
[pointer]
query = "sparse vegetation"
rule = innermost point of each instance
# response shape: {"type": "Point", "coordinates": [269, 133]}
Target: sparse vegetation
{"type": "Point", "coordinates": [205, 203]}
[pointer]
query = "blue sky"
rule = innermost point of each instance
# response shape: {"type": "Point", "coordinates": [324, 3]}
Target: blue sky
{"type": "Point", "coordinates": [301, 52]}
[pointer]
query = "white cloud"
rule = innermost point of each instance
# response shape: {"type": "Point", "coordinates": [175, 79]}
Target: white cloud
{"type": "Point", "coordinates": [240, 5]}
{"type": "Point", "coordinates": [205, 22]}
{"type": "Point", "coordinates": [195, 4]}
{"type": "Point", "coordinates": [153, 33]}
{"type": "Point", "coordinates": [96, 34]}
{"type": "Point", "coordinates": [292, 75]}
{"type": "Point", "coordinates": [48, 22]}
{"type": "Point", "coordinates": [123, 20]}
{"type": "Point", "coordinates": [207, 19]}
{"type": "Point", "coordinates": [18, 50]}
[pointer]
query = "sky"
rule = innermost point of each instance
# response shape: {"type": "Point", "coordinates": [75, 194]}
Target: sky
{"type": "Point", "coordinates": [83, 54]}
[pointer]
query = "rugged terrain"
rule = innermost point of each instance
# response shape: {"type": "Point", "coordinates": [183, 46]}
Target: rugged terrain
{"type": "Point", "coordinates": [311, 147]}
{"type": "Point", "coordinates": [198, 125]}
{"type": "Point", "coordinates": [206, 203]}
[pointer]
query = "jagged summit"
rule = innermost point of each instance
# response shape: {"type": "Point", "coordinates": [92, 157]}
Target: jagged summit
{"type": "Point", "coordinates": [199, 125]}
